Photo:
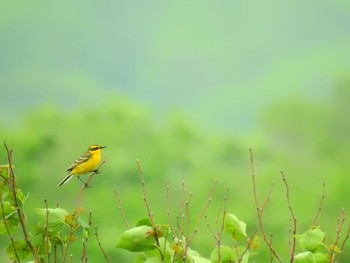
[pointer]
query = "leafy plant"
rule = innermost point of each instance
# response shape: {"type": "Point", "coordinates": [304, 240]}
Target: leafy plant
{"type": "Point", "coordinates": [170, 242]}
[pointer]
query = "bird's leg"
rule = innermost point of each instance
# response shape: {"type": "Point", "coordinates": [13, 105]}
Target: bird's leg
{"type": "Point", "coordinates": [86, 185]}
{"type": "Point", "coordinates": [96, 171]}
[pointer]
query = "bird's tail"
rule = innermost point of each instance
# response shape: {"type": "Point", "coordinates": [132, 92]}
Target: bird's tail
{"type": "Point", "coordinates": [65, 180]}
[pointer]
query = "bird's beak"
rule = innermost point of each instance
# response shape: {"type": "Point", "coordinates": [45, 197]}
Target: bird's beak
{"type": "Point", "coordinates": [101, 147]}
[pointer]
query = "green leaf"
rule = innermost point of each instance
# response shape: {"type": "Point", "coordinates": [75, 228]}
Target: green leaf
{"type": "Point", "coordinates": [55, 219]}
{"type": "Point", "coordinates": [311, 240]}
{"type": "Point", "coordinates": [8, 209]}
{"type": "Point", "coordinates": [12, 224]}
{"type": "Point", "coordinates": [83, 222]}
{"type": "Point", "coordinates": [198, 259]}
{"type": "Point", "coordinates": [194, 257]}
{"type": "Point", "coordinates": [305, 257]}
{"type": "Point", "coordinates": [226, 255]}
{"type": "Point", "coordinates": [154, 260]}
{"type": "Point", "coordinates": [20, 197]}
{"type": "Point", "coordinates": [153, 255]}
{"type": "Point", "coordinates": [144, 222]}
{"type": "Point", "coordinates": [4, 171]}
{"type": "Point", "coordinates": [22, 250]}
{"type": "Point", "coordinates": [137, 239]}
{"type": "Point", "coordinates": [235, 227]}
{"type": "Point", "coordinates": [321, 257]}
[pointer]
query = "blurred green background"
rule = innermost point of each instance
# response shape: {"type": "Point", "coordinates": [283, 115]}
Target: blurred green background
{"type": "Point", "coordinates": [186, 87]}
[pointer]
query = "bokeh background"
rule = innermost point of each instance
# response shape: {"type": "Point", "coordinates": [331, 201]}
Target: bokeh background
{"type": "Point", "coordinates": [186, 87]}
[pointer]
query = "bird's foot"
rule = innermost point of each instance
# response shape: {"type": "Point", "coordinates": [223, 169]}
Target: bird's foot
{"type": "Point", "coordinates": [85, 185]}
{"type": "Point", "coordinates": [96, 171]}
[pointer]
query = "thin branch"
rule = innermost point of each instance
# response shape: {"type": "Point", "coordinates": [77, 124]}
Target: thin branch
{"type": "Point", "coordinates": [19, 210]}
{"type": "Point", "coordinates": [84, 257]}
{"type": "Point", "coordinates": [271, 253]}
{"type": "Point", "coordinates": [314, 221]}
{"type": "Point", "coordinates": [180, 223]}
{"type": "Point", "coordinates": [344, 242]}
{"type": "Point", "coordinates": [99, 244]}
{"type": "Point", "coordinates": [167, 199]}
{"type": "Point", "coordinates": [47, 240]}
{"type": "Point", "coordinates": [70, 240]}
{"type": "Point", "coordinates": [219, 230]}
{"type": "Point", "coordinates": [92, 174]}
{"type": "Point", "coordinates": [120, 208]}
{"type": "Point", "coordinates": [150, 214]}
{"type": "Point", "coordinates": [294, 220]}
{"type": "Point", "coordinates": [249, 244]}
{"type": "Point", "coordinates": [341, 220]}
{"type": "Point", "coordinates": [267, 198]}
{"type": "Point", "coordinates": [259, 210]}
{"type": "Point", "coordinates": [201, 215]}
{"type": "Point", "coordinates": [7, 228]}
{"type": "Point", "coordinates": [188, 201]}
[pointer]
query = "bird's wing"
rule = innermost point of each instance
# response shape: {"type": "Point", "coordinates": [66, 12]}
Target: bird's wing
{"type": "Point", "coordinates": [82, 159]}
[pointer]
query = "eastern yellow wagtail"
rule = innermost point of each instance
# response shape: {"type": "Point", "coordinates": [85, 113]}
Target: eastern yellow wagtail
{"type": "Point", "coordinates": [86, 163]}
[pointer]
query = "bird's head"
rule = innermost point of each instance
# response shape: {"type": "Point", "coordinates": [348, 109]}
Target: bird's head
{"type": "Point", "coordinates": [93, 148]}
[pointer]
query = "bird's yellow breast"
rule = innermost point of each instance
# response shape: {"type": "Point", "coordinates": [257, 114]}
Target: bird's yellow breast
{"type": "Point", "coordinates": [89, 165]}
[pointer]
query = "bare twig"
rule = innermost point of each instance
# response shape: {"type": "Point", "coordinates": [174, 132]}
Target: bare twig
{"type": "Point", "coordinates": [120, 207]}
{"type": "Point", "coordinates": [150, 214]}
{"type": "Point", "coordinates": [47, 240]}
{"type": "Point", "coordinates": [19, 210]}
{"type": "Point", "coordinates": [219, 228]}
{"type": "Point", "coordinates": [249, 243]}
{"type": "Point", "coordinates": [201, 215]}
{"type": "Point", "coordinates": [188, 201]}
{"type": "Point", "coordinates": [70, 240]}
{"type": "Point", "coordinates": [259, 210]}
{"type": "Point", "coordinates": [344, 242]}
{"type": "Point", "coordinates": [84, 257]}
{"type": "Point", "coordinates": [314, 221]}
{"type": "Point", "coordinates": [271, 252]}
{"type": "Point", "coordinates": [267, 199]}
{"type": "Point", "coordinates": [99, 244]}
{"type": "Point", "coordinates": [341, 220]}
{"type": "Point", "coordinates": [294, 220]}
{"type": "Point", "coordinates": [167, 199]}
{"type": "Point", "coordinates": [92, 174]}
{"type": "Point", "coordinates": [7, 229]}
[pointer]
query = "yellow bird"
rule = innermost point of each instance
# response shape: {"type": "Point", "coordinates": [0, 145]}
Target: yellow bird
{"type": "Point", "coordinates": [86, 163]}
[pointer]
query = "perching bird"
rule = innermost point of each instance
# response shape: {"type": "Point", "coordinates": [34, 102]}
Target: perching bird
{"type": "Point", "coordinates": [86, 163]}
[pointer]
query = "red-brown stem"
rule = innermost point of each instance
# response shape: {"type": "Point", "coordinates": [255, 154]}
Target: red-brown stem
{"type": "Point", "coordinates": [7, 229]}
{"type": "Point", "coordinates": [99, 244]}
{"type": "Point", "coordinates": [248, 246]}
{"type": "Point", "coordinates": [314, 221]}
{"type": "Point", "coordinates": [120, 207]}
{"type": "Point", "coordinates": [201, 215]}
{"type": "Point", "coordinates": [150, 214]}
{"type": "Point", "coordinates": [47, 232]}
{"type": "Point", "coordinates": [341, 220]}
{"type": "Point", "coordinates": [259, 210]}
{"type": "Point", "coordinates": [344, 242]}
{"type": "Point", "coordinates": [19, 210]}
{"type": "Point", "coordinates": [92, 174]}
{"type": "Point", "coordinates": [294, 220]}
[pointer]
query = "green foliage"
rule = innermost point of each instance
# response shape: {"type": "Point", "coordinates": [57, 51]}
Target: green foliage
{"type": "Point", "coordinates": [312, 240]}
{"type": "Point", "coordinates": [166, 242]}
{"type": "Point", "coordinates": [55, 227]}
{"type": "Point", "coordinates": [307, 139]}
{"type": "Point", "coordinates": [137, 239]}
{"type": "Point", "coordinates": [167, 248]}
{"type": "Point", "coordinates": [235, 227]}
